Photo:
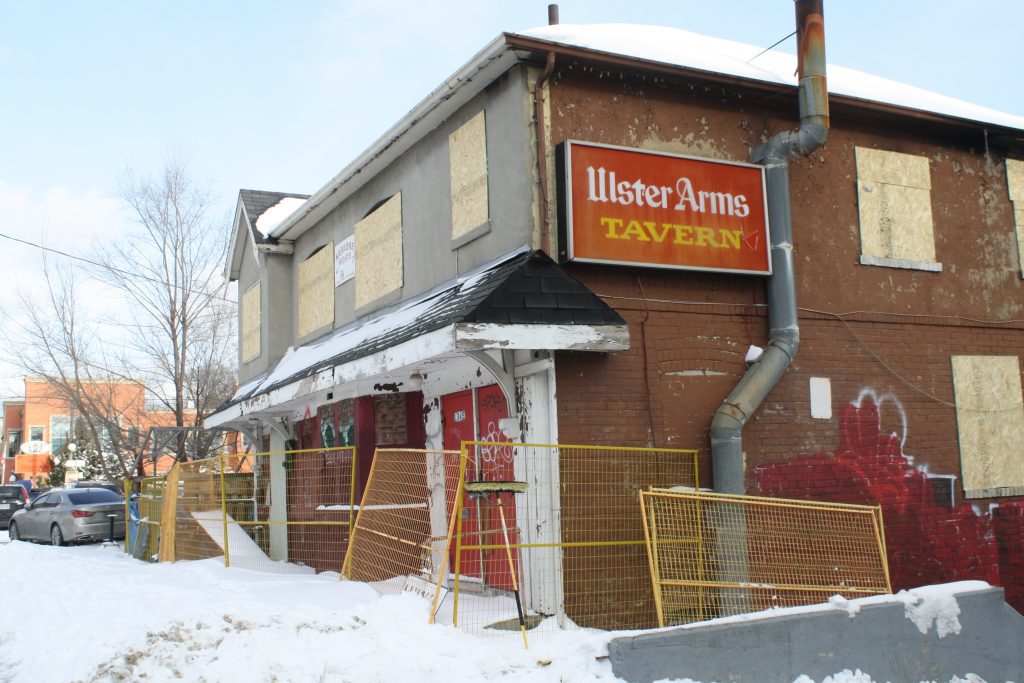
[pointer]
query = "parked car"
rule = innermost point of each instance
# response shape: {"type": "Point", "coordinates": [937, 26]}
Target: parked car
{"type": "Point", "coordinates": [13, 497]}
{"type": "Point", "coordinates": [69, 516]}
{"type": "Point", "coordinates": [35, 493]}
{"type": "Point", "coordinates": [109, 485]}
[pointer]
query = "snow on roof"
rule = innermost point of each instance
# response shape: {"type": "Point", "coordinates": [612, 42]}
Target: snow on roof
{"type": "Point", "coordinates": [276, 214]}
{"type": "Point", "coordinates": [682, 48]}
{"type": "Point", "coordinates": [376, 325]}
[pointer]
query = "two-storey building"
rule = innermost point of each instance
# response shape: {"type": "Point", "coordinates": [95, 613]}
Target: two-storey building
{"type": "Point", "coordinates": [593, 234]}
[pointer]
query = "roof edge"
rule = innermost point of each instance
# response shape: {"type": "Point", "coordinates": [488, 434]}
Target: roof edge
{"type": "Point", "coordinates": [492, 61]}
{"type": "Point", "coordinates": [539, 45]}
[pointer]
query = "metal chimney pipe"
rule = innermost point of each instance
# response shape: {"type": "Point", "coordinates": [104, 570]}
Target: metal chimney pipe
{"type": "Point", "coordinates": [552, 14]}
{"type": "Point", "coordinates": [727, 459]}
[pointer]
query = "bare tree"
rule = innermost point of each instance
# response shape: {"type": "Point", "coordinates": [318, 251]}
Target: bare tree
{"type": "Point", "coordinates": [175, 347]}
{"type": "Point", "coordinates": [55, 343]}
{"type": "Point", "coordinates": [169, 268]}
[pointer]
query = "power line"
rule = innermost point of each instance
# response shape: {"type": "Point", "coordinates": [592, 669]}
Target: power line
{"type": "Point", "coordinates": [770, 47]}
{"type": "Point", "coordinates": [109, 267]}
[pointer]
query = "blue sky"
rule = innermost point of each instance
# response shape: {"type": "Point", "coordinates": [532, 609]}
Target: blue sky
{"type": "Point", "coordinates": [281, 96]}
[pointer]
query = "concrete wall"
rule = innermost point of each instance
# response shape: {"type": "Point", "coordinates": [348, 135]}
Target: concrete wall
{"type": "Point", "coordinates": [880, 641]}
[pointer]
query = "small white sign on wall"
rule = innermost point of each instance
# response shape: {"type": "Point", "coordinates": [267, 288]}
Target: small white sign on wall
{"type": "Point", "coordinates": [821, 398]}
{"type": "Point", "coordinates": [344, 261]}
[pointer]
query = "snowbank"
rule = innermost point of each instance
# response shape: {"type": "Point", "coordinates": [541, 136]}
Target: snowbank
{"type": "Point", "coordinates": [92, 613]}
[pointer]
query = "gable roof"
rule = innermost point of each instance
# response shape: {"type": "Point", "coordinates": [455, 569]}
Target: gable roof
{"type": "Point", "coordinates": [522, 288]}
{"type": "Point", "coordinates": [257, 202]}
{"type": "Point", "coordinates": [251, 205]}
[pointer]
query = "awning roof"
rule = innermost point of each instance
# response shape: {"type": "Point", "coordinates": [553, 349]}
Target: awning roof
{"type": "Point", "coordinates": [522, 300]}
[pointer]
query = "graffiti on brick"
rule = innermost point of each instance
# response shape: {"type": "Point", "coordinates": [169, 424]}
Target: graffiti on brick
{"type": "Point", "coordinates": [929, 539]}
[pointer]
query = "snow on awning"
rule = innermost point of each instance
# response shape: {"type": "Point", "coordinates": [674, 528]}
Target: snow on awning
{"type": "Point", "coordinates": [522, 300]}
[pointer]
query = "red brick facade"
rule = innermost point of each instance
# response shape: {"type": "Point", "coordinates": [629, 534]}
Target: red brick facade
{"type": "Point", "coordinates": [882, 336]}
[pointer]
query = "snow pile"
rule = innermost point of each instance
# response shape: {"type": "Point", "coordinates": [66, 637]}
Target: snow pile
{"type": "Point", "coordinates": [839, 602]}
{"type": "Point", "coordinates": [275, 215]}
{"type": "Point", "coordinates": [932, 605]}
{"type": "Point", "coordinates": [683, 48]}
{"type": "Point", "coordinates": [92, 613]}
{"type": "Point", "coordinates": [844, 676]}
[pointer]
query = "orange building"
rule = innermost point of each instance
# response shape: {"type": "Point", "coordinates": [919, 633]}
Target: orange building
{"type": "Point", "coordinates": [41, 425]}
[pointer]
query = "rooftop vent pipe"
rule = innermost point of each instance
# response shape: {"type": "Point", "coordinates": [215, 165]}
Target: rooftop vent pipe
{"type": "Point", "coordinates": [783, 328]}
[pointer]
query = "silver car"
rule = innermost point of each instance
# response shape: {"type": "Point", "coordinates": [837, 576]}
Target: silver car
{"type": "Point", "coordinates": [70, 516]}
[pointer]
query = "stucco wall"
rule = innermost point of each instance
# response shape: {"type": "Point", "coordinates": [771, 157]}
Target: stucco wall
{"type": "Point", "coordinates": [422, 176]}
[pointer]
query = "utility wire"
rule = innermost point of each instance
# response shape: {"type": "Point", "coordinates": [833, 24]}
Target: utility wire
{"type": "Point", "coordinates": [770, 47]}
{"type": "Point", "coordinates": [109, 267]}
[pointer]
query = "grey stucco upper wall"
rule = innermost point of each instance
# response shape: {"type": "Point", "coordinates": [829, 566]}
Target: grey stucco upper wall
{"type": "Point", "coordinates": [422, 176]}
{"type": "Point", "coordinates": [274, 274]}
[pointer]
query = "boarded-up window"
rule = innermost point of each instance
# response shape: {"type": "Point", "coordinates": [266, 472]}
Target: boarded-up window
{"type": "Point", "coordinates": [467, 154]}
{"type": "Point", "coordinates": [894, 197]}
{"type": "Point", "coordinates": [316, 290]}
{"type": "Point", "coordinates": [251, 322]}
{"type": "Point", "coordinates": [1015, 181]}
{"type": "Point", "coordinates": [990, 420]}
{"type": "Point", "coordinates": [379, 252]}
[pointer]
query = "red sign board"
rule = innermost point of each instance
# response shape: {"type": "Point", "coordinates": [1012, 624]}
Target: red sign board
{"type": "Point", "coordinates": [634, 207]}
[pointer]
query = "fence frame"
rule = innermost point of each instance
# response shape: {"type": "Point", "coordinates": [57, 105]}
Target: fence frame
{"type": "Point", "coordinates": [220, 468]}
{"type": "Point", "coordinates": [701, 584]}
{"type": "Point", "coordinates": [456, 535]}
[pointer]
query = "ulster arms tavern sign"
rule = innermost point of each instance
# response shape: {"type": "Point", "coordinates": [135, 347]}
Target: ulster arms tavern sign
{"type": "Point", "coordinates": [636, 208]}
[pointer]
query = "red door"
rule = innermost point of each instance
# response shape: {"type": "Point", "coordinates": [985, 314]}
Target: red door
{"type": "Point", "coordinates": [458, 419]}
{"type": "Point", "coordinates": [496, 464]}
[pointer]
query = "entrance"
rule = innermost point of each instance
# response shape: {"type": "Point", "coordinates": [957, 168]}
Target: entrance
{"type": "Point", "coordinates": [475, 415]}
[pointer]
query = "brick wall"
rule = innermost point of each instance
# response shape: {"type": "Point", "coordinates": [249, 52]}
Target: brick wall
{"type": "Point", "coordinates": [892, 431]}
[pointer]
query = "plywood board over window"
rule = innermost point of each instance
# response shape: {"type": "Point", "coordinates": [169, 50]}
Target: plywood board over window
{"type": "Point", "coordinates": [252, 302]}
{"type": "Point", "coordinates": [1015, 182]}
{"type": "Point", "coordinates": [467, 155]}
{"type": "Point", "coordinates": [379, 265]}
{"type": "Point", "coordinates": [990, 421]}
{"type": "Point", "coordinates": [316, 290]}
{"type": "Point", "coordinates": [894, 198]}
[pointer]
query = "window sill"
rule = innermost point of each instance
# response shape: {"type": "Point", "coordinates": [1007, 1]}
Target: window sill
{"type": "Point", "coordinates": [470, 236]}
{"type": "Point", "coordinates": [930, 266]}
{"type": "Point", "coordinates": [998, 492]}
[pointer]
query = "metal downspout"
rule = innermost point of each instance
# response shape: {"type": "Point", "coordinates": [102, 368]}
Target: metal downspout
{"type": "Point", "coordinates": [727, 459]}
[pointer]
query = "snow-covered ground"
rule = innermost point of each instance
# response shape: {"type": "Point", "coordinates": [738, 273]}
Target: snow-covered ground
{"type": "Point", "coordinates": [91, 613]}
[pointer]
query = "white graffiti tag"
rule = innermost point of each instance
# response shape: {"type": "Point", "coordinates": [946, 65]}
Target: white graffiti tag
{"type": "Point", "coordinates": [498, 452]}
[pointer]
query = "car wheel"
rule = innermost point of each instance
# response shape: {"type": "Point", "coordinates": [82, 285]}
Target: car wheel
{"type": "Point", "coordinates": [56, 537]}
{"type": "Point", "coordinates": [12, 532]}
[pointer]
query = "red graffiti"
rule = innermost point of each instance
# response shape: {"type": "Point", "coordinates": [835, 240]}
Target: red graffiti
{"type": "Point", "coordinates": [927, 540]}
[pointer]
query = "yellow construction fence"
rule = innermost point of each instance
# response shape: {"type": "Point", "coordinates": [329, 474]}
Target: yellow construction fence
{"type": "Point", "coordinates": [575, 535]}
{"type": "Point", "coordinates": [400, 538]}
{"type": "Point", "coordinates": [714, 555]}
{"type": "Point", "coordinates": [149, 495]}
{"type": "Point", "coordinates": [286, 511]}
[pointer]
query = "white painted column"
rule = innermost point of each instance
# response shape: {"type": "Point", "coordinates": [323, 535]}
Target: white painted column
{"type": "Point", "coordinates": [278, 498]}
{"type": "Point", "coordinates": [540, 520]}
{"type": "Point", "coordinates": [436, 483]}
